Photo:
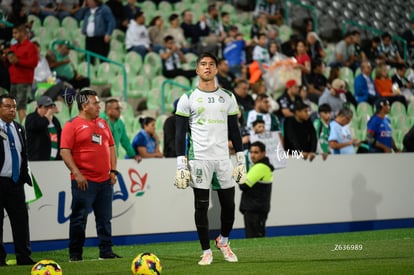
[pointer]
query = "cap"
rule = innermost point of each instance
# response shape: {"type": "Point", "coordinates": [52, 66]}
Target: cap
{"type": "Point", "coordinates": [290, 83]}
{"type": "Point", "coordinates": [338, 85]}
{"type": "Point", "coordinates": [44, 100]}
{"type": "Point", "coordinates": [300, 105]}
{"type": "Point", "coordinates": [381, 102]}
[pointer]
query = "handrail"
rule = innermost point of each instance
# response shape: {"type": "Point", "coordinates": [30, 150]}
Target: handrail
{"type": "Point", "coordinates": [7, 23]}
{"type": "Point", "coordinates": [88, 60]}
{"type": "Point", "coordinates": [376, 32]}
{"type": "Point", "coordinates": [311, 8]}
{"type": "Point", "coordinates": [171, 82]}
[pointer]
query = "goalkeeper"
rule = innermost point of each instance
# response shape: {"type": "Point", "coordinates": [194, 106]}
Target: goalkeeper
{"type": "Point", "coordinates": [208, 114]}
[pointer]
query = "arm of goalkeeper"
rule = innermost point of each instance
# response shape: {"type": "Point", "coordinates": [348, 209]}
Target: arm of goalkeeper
{"type": "Point", "coordinates": [182, 177]}
{"type": "Point", "coordinates": [239, 172]}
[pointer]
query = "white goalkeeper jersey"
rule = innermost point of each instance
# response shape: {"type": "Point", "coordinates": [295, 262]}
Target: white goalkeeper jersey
{"type": "Point", "coordinates": [207, 113]}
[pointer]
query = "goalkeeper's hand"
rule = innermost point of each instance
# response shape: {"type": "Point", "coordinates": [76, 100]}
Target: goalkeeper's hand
{"type": "Point", "coordinates": [239, 172]}
{"type": "Point", "coordinates": [182, 178]}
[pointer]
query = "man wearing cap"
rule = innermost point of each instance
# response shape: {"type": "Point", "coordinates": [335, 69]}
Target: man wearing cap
{"type": "Point", "coordinates": [288, 99]}
{"type": "Point", "coordinates": [43, 131]}
{"type": "Point", "coordinates": [300, 135]}
{"type": "Point", "coordinates": [334, 96]}
{"type": "Point", "coordinates": [59, 61]}
{"type": "Point", "coordinates": [379, 131]}
{"type": "Point", "coordinates": [111, 115]}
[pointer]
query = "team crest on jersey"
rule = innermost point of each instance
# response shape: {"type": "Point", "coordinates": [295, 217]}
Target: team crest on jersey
{"type": "Point", "coordinates": [199, 100]}
{"type": "Point", "coordinates": [101, 125]}
{"type": "Point", "coordinates": [221, 99]}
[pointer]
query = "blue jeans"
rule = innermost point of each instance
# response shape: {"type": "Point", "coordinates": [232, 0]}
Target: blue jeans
{"type": "Point", "coordinates": [98, 197]}
{"type": "Point", "coordinates": [141, 50]}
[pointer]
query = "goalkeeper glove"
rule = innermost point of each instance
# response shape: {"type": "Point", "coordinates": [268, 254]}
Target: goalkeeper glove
{"type": "Point", "coordinates": [182, 178]}
{"type": "Point", "coordinates": [239, 172]}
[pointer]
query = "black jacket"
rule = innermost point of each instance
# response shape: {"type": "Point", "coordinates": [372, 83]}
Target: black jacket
{"type": "Point", "coordinates": [24, 170]}
{"type": "Point", "coordinates": [38, 138]}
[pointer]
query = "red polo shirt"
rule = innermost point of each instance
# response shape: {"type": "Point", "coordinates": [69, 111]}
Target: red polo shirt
{"type": "Point", "coordinates": [23, 71]}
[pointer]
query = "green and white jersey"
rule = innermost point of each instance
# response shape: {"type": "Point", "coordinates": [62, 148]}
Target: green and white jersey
{"type": "Point", "coordinates": [207, 113]}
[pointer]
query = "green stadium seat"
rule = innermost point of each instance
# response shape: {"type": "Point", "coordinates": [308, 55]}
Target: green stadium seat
{"type": "Point", "coordinates": [139, 87]}
{"type": "Point", "coordinates": [410, 109]}
{"type": "Point", "coordinates": [400, 122]}
{"type": "Point", "coordinates": [364, 108]}
{"type": "Point", "coordinates": [285, 32]}
{"type": "Point", "coordinates": [134, 60]}
{"type": "Point", "coordinates": [165, 7]}
{"type": "Point", "coordinates": [70, 23]}
{"type": "Point", "coordinates": [63, 114]}
{"type": "Point", "coordinates": [157, 81]}
{"type": "Point", "coordinates": [37, 23]}
{"type": "Point", "coordinates": [397, 108]}
{"type": "Point", "coordinates": [154, 99]}
{"type": "Point", "coordinates": [154, 60]}
{"type": "Point", "coordinates": [104, 72]}
{"type": "Point", "coordinates": [51, 22]}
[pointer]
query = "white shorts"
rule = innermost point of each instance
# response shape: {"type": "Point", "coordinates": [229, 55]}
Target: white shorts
{"type": "Point", "coordinates": [204, 173]}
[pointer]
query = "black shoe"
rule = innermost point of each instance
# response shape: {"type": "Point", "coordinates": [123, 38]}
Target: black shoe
{"type": "Point", "coordinates": [75, 259]}
{"type": "Point", "coordinates": [110, 255]}
{"type": "Point", "coordinates": [25, 261]}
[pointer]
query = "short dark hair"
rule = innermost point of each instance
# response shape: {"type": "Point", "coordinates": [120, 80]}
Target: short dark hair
{"type": "Point", "coordinates": [346, 112]}
{"type": "Point", "coordinates": [261, 145]}
{"type": "Point", "coordinates": [145, 121]}
{"type": "Point", "coordinates": [258, 121]}
{"type": "Point", "coordinates": [3, 96]}
{"type": "Point", "coordinates": [168, 38]}
{"type": "Point", "coordinates": [324, 108]}
{"type": "Point", "coordinates": [110, 101]}
{"type": "Point", "coordinates": [138, 14]}
{"type": "Point", "coordinates": [386, 35]}
{"type": "Point", "coordinates": [82, 97]}
{"type": "Point", "coordinates": [172, 17]}
{"type": "Point", "coordinates": [207, 54]}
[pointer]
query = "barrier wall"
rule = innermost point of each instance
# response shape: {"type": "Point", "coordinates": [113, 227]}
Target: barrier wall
{"type": "Point", "coordinates": [341, 189]}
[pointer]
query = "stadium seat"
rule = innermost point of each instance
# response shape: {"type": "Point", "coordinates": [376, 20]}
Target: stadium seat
{"type": "Point", "coordinates": [37, 23]}
{"type": "Point", "coordinates": [400, 122]}
{"type": "Point", "coordinates": [70, 23]}
{"type": "Point", "coordinates": [51, 22]}
{"type": "Point", "coordinates": [117, 86]}
{"type": "Point", "coordinates": [154, 99]}
{"type": "Point", "coordinates": [63, 114]}
{"type": "Point", "coordinates": [410, 109]}
{"type": "Point", "coordinates": [397, 108]}
{"type": "Point", "coordinates": [82, 69]}
{"type": "Point", "coordinates": [139, 86]}
{"type": "Point", "coordinates": [154, 60]}
{"type": "Point", "coordinates": [365, 109]}
{"type": "Point", "coordinates": [104, 72]}
{"type": "Point", "coordinates": [165, 7]}
{"type": "Point", "coordinates": [116, 56]}
{"type": "Point", "coordinates": [285, 32]}
{"type": "Point", "coordinates": [157, 81]}
{"type": "Point", "coordinates": [134, 60]}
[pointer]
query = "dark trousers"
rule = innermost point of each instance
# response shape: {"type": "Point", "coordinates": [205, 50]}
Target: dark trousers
{"type": "Point", "coordinates": [97, 45]}
{"type": "Point", "coordinates": [255, 224]}
{"type": "Point", "coordinates": [13, 200]}
{"type": "Point", "coordinates": [97, 197]}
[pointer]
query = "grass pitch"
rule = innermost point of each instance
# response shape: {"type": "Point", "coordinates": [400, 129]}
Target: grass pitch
{"type": "Point", "coordinates": [368, 252]}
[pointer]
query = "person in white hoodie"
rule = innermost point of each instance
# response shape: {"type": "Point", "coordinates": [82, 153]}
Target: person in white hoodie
{"type": "Point", "coordinates": [137, 37]}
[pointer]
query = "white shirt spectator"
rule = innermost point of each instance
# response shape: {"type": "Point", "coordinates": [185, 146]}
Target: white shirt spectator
{"type": "Point", "coordinates": [137, 35]}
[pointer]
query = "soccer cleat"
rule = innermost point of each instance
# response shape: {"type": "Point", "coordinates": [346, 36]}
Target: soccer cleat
{"type": "Point", "coordinates": [75, 259]}
{"type": "Point", "coordinates": [206, 259]}
{"type": "Point", "coordinates": [228, 254]}
{"type": "Point", "coordinates": [110, 255]}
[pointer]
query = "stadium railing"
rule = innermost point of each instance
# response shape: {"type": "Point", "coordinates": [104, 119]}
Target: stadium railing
{"type": "Point", "coordinates": [89, 54]}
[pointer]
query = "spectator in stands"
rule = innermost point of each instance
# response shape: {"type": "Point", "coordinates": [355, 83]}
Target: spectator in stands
{"type": "Point", "coordinates": [299, 133]}
{"type": "Point", "coordinates": [59, 61]}
{"type": "Point", "coordinates": [316, 80]}
{"type": "Point", "coordinates": [303, 61]}
{"type": "Point", "coordinates": [156, 32]}
{"type": "Point", "coordinates": [379, 131]}
{"type": "Point", "coordinates": [262, 111]}
{"type": "Point", "coordinates": [322, 129]}
{"type": "Point", "coordinates": [344, 53]}
{"type": "Point", "coordinates": [340, 138]}
{"type": "Point", "coordinates": [177, 32]}
{"type": "Point", "coordinates": [404, 85]}
{"type": "Point", "coordinates": [193, 32]}
{"type": "Point", "coordinates": [334, 96]}
{"type": "Point", "coordinates": [272, 9]}
{"type": "Point", "coordinates": [303, 94]}
{"type": "Point", "coordinates": [408, 35]}
{"type": "Point", "coordinates": [273, 36]}
{"type": "Point", "coordinates": [69, 8]}
{"type": "Point", "coordinates": [307, 27]}
{"type": "Point", "coordinates": [137, 36]}
{"type": "Point", "coordinates": [43, 131]}
{"type": "Point", "coordinates": [358, 53]}
{"type": "Point", "coordinates": [42, 71]}
{"type": "Point", "coordinates": [98, 25]}
{"type": "Point", "coordinates": [225, 78]}
{"type": "Point", "coordinates": [364, 87]}
{"type": "Point", "coordinates": [256, 192]}
{"type": "Point", "coordinates": [289, 47]}
{"type": "Point", "coordinates": [389, 51]}
{"type": "Point", "coordinates": [172, 57]}
{"type": "Point", "coordinates": [261, 59]}
{"type": "Point", "coordinates": [225, 21]}
{"type": "Point", "coordinates": [234, 51]}
{"type": "Point", "coordinates": [335, 73]}
{"type": "Point", "coordinates": [372, 53]}
{"type": "Point", "coordinates": [112, 116]}
{"type": "Point", "coordinates": [214, 24]}
{"type": "Point", "coordinates": [130, 9]}
{"type": "Point", "coordinates": [146, 142]}
{"type": "Point", "coordinates": [44, 8]}
{"type": "Point", "coordinates": [315, 49]}
{"type": "Point", "coordinates": [288, 99]}
{"type": "Point", "coordinates": [118, 11]}
{"type": "Point", "coordinates": [169, 134]}
{"type": "Point", "coordinates": [244, 99]}
{"type": "Point", "coordinates": [274, 53]}
{"type": "Point", "coordinates": [259, 26]}
{"type": "Point", "coordinates": [383, 85]}
{"type": "Point", "coordinates": [22, 59]}
{"type": "Point", "coordinates": [259, 88]}
{"type": "Point", "coordinates": [408, 140]}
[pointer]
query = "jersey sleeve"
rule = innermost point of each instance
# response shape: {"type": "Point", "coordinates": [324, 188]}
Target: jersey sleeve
{"type": "Point", "coordinates": [255, 174]}
{"type": "Point", "coordinates": [67, 137]}
{"type": "Point", "coordinates": [233, 107]}
{"type": "Point", "coordinates": [183, 106]}
{"type": "Point", "coordinates": [334, 134]}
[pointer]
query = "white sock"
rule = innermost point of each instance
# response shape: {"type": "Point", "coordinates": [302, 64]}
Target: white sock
{"type": "Point", "coordinates": [208, 251]}
{"type": "Point", "coordinates": [223, 240]}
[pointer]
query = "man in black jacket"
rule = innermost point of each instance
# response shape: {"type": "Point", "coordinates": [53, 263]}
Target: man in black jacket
{"type": "Point", "coordinates": [13, 175]}
{"type": "Point", "coordinates": [43, 131]}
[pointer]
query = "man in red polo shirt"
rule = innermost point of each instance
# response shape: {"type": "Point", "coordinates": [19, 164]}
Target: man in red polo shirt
{"type": "Point", "coordinates": [22, 61]}
{"type": "Point", "coordinates": [88, 150]}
